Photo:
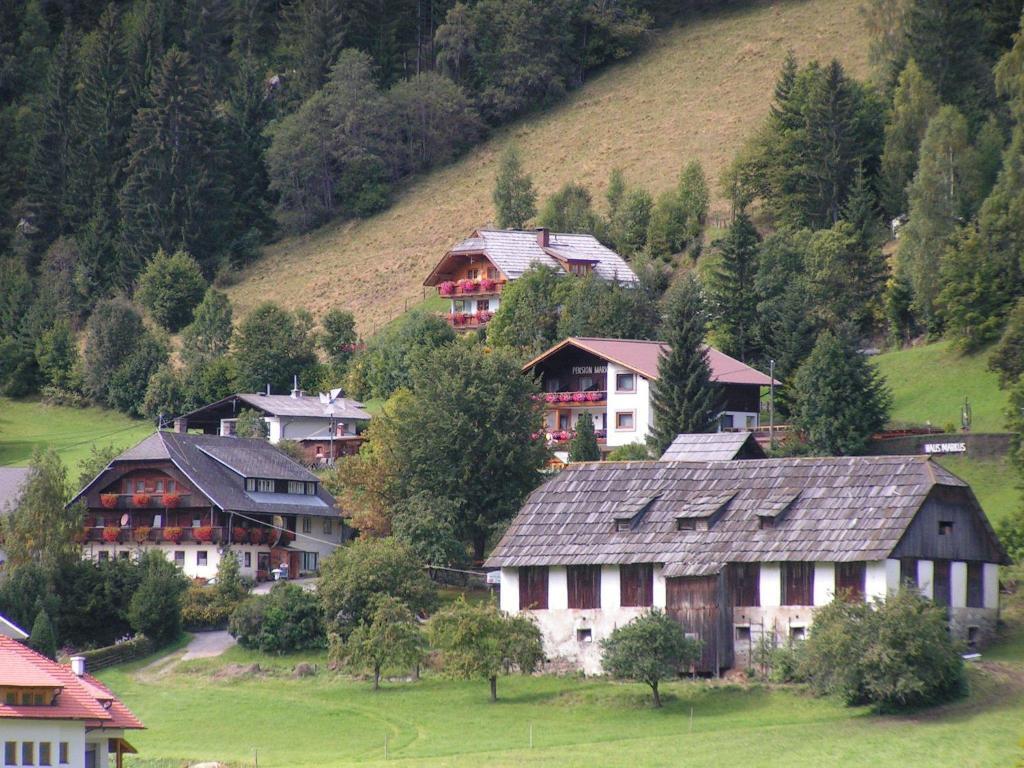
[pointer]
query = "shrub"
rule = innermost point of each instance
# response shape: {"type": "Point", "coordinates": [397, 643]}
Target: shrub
{"type": "Point", "coordinates": [230, 588]}
{"type": "Point", "coordinates": [892, 654]}
{"type": "Point", "coordinates": [155, 608]}
{"type": "Point", "coordinates": [201, 609]}
{"type": "Point", "coordinates": [170, 288]}
{"type": "Point", "coordinates": [287, 619]}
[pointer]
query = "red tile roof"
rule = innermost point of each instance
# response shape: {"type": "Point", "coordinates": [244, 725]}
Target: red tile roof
{"type": "Point", "coordinates": [79, 699]}
{"type": "Point", "coordinates": [642, 357]}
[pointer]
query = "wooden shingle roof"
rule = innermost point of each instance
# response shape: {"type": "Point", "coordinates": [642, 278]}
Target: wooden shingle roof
{"type": "Point", "coordinates": [829, 509]}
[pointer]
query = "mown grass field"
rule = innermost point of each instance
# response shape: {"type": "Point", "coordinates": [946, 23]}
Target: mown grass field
{"type": "Point", "coordinates": [28, 424]}
{"type": "Point", "coordinates": [200, 711]}
{"type": "Point", "coordinates": [697, 92]}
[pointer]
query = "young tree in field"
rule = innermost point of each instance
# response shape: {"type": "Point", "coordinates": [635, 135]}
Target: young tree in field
{"type": "Point", "coordinates": [170, 287]}
{"type": "Point", "coordinates": [515, 200]}
{"type": "Point", "coordinates": [57, 355]}
{"type": "Point", "coordinates": [43, 639]}
{"type": "Point", "coordinates": [389, 638]}
{"type": "Point", "coordinates": [208, 336]}
{"type": "Point", "coordinates": [649, 649]}
{"type": "Point", "coordinates": [840, 398]}
{"type": "Point", "coordinates": [616, 192]}
{"type": "Point", "coordinates": [733, 291]}
{"type": "Point", "coordinates": [229, 587]}
{"type": "Point", "coordinates": [914, 103]}
{"type": "Point", "coordinates": [271, 346]}
{"type": "Point", "coordinates": [630, 222]}
{"type": "Point", "coordinates": [684, 398]}
{"type": "Point", "coordinates": [695, 200]}
{"type": "Point", "coordinates": [41, 528]}
{"type": "Point", "coordinates": [583, 446]}
{"type": "Point", "coordinates": [480, 642]}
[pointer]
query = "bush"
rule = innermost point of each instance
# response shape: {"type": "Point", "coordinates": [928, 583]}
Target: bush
{"type": "Point", "coordinates": [286, 620]}
{"type": "Point", "coordinates": [170, 288]}
{"type": "Point", "coordinates": [201, 608]}
{"type": "Point", "coordinates": [892, 654]}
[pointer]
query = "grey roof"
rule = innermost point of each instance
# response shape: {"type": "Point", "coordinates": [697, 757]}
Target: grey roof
{"type": "Point", "coordinates": [11, 481]}
{"type": "Point", "coordinates": [515, 251]}
{"type": "Point", "coordinates": [827, 509]}
{"type": "Point", "coordinates": [217, 467]}
{"type": "Point", "coordinates": [713, 446]}
{"type": "Point", "coordinates": [285, 405]}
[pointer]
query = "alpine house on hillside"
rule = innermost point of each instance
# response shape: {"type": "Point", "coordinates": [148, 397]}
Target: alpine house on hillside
{"type": "Point", "coordinates": [194, 496]}
{"type": "Point", "coordinates": [474, 272]}
{"type": "Point", "coordinates": [737, 551]}
{"type": "Point", "coordinates": [610, 381]}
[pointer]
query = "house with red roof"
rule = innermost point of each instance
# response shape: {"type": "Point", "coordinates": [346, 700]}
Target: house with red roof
{"type": "Point", "coordinates": [609, 380]}
{"type": "Point", "coordinates": [58, 715]}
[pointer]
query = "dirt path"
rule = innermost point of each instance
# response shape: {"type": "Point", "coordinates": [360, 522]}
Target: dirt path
{"type": "Point", "coordinates": [203, 645]}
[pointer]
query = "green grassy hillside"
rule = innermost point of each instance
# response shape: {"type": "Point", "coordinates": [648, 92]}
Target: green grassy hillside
{"type": "Point", "coordinates": [28, 424]}
{"type": "Point", "coordinates": [698, 92]}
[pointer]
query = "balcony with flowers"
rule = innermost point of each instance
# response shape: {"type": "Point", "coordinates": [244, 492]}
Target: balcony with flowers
{"type": "Point", "coordinates": [468, 321]}
{"type": "Point", "coordinates": [574, 399]}
{"type": "Point", "coordinates": [483, 286]}
{"type": "Point", "coordinates": [560, 438]}
{"type": "Point", "coordinates": [143, 500]}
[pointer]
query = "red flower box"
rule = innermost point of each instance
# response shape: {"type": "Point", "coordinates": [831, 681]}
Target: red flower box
{"type": "Point", "coordinates": [111, 534]}
{"type": "Point", "coordinates": [579, 397]}
{"type": "Point", "coordinates": [203, 533]}
{"type": "Point", "coordinates": [564, 397]}
{"type": "Point", "coordinates": [551, 397]}
{"type": "Point", "coordinates": [172, 534]}
{"type": "Point", "coordinates": [486, 284]}
{"type": "Point", "coordinates": [172, 500]}
{"type": "Point", "coordinates": [595, 396]}
{"type": "Point", "coordinates": [483, 316]}
{"type": "Point", "coordinates": [108, 500]}
{"type": "Point", "coordinates": [256, 535]}
{"type": "Point", "coordinates": [467, 286]}
{"type": "Point", "coordinates": [287, 537]}
{"type": "Point", "coordinates": [447, 288]}
{"type": "Point", "coordinates": [238, 535]}
{"type": "Point", "coordinates": [140, 499]}
{"type": "Point", "coordinates": [459, 318]}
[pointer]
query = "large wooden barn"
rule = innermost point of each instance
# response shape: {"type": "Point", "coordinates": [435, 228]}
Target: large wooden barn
{"type": "Point", "coordinates": [736, 550]}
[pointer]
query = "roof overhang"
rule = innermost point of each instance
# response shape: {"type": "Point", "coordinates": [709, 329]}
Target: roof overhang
{"type": "Point", "coordinates": [442, 270]}
{"type": "Point", "coordinates": [579, 344]}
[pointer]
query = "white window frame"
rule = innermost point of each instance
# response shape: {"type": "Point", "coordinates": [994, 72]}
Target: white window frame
{"type": "Point", "coordinates": [307, 524]}
{"type": "Point", "coordinates": [297, 487]}
{"type": "Point", "coordinates": [205, 555]}
{"type": "Point", "coordinates": [263, 485]}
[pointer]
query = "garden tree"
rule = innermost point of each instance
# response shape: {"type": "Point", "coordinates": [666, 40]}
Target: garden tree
{"type": "Point", "coordinates": [480, 642]}
{"type": "Point", "coordinates": [426, 524]}
{"type": "Point", "coordinates": [684, 399]}
{"type": "Point", "coordinates": [126, 389]}
{"type": "Point", "coordinates": [170, 288]}
{"type": "Point", "coordinates": [386, 364]}
{"type": "Point", "coordinates": [229, 587]}
{"type": "Point", "coordinates": [338, 339]}
{"type": "Point", "coordinates": [271, 346]}
{"type": "Point", "coordinates": [286, 620]}
{"type": "Point", "coordinates": [514, 197]}
{"type": "Point", "coordinates": [435, 121]}
{"type": "Point", "coordinates": [529, 315]}
{"type": "Point", "coordinates": [844, 277]}
{"type": "Point", "coordinates": [472, 414]}
{"type": "Point", "coordinates": [629, 223]}
{"type": "Point", "coordinates": [172, 198]}
{"type": "Point", "coordinates": [155, 608]}
{"type": "Point", "coordinates": [57, 356]}
{"type": "Point", "coordinates": [601, 308]}
{"type": "Point", "coordinates": [839, 398]}
{"type": "Point", "coordinates": [351, 576]}
{"type": "Point", "coordinates": [42, 638]}
{"type": "Point", "coordinates": [732, 290]}
{"type": "Point", "coordinates": [1007, 359]}
{"type": "Point", "coordinates": [892, 654]}
{"type": "Point", "coordinates": [250, 423]}
{"type": "Point", "coordinates": [667, 227]}
{"type": "Point", "coordinates": [570, 209]}
{"type": "Point", "coordinates": [913, 105]}
{"type": "Point", "coordinates": [211, 382]}
{"type": "Point", "coordinates": [616, 192]}
{"type": "Point", "coordinates": [629, 452]}
{"type": "Point", "coordinates": [390, 637]}
{"type": "Point", "coordinates": [42, 528]}
{"type": "Point", "coordinates": [312, 32]}
{"type": "Point", "coordinates": [208, 336]}
{"type": "Point", "coordinates": [695, 200]}
{"type": "Point", "coordinates": [583, 446]}
{"type": "Point", "coordinates": [941, 196]}
{"type": "Point", "coordinates": [165, 396]}
{"type": "Point", "coordinates": [649, 649]}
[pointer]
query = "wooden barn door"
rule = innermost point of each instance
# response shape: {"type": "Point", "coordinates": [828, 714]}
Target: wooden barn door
{"type": "Point", "coordinates": [693, 602]}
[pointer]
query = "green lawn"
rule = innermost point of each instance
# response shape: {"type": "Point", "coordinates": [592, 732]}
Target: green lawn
{"type": "Point", "coordinates": [330, 720]}
{"type": "Point", "coordinates": [993, 481]}
{"type": "Point", "coordinates": [27, 424]}
{"type": "Point", "coordinates": [929, 384]}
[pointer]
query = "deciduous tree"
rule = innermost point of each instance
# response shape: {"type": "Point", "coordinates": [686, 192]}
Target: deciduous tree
{"type": "Point", "coordinates": [389, 638]}
{"type": "Point", "coordinates": [515, 200]}
{"type": "Point", "coordinates": [41, 528]}
{"type": "Point", "coordinates": [170, 287]}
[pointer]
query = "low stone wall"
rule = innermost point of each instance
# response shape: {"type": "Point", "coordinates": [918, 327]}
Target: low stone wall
{"type": "Point", "coordinates": [977, 445]}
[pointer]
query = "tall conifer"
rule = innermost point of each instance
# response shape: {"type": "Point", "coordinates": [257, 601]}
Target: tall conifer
{"type": "Point", "coordinates": [732, 291]}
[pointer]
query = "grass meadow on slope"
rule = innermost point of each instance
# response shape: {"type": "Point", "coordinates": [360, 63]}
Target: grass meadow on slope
{"type": "Point", "coordinates": [697, 93]}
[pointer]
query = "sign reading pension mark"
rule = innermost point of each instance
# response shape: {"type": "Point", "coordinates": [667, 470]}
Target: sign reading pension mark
{"type": "Point", "coordinates": [945, 447]}
{"type": "Point", "coordinates": [583, 369]}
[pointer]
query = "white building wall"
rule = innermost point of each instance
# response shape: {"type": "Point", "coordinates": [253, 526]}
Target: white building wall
{"type": "Point", "coordinates": [926, 578]}
{"type": "Point", "coordinates": [558, 588]}
{"type": "Point", "coordinates": [882, 578]}
{"type": "Point", "coordinates": [297, 427]}
{"type": "Point", "coordinates": [639, 403]}
{"type": "Point", "coordinates": [957, 585]}
{"type": "Point", "coordinates": [990, 585]}
{"type": "Point", "coordinates": [611, 594]}
{"type": "Point", "coordinates": [54, 732]}
{"type": "Point", "coordinates": [509, 590]}
{"type": "Point", "coordinates": [660, 600]}
{"type": "Point", "coordinates": [824, 583]}
{"type": "Point", "coordinates": [771, 584]}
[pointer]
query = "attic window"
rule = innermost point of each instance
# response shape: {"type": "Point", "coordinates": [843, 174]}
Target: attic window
{"type": "Point", "coordinates": [764, 522]}
{"type": "Point", "coordinates": [945, 527]}
{"type": "Point", "coordinates": [623, 523]}
{"type": "Point", "coordinates": [686, 524]}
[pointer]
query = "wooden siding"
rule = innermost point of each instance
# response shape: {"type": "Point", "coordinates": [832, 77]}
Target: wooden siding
{"type": "Point", "coordinates": [741, 397]}
{"type": "Point", "coordinates": [636, 585]}
{"type": "Point", "coordinates": [746, 584]}
{"type": "Point", "coordinates": [798, 583]}
{"type": "Point", "coordinates": [584, 586]}
{"type": "Point", "coordinates": [975, 585]}
{"type": "Point", "coordinates": [533, 588]}
{"type": "Point", "coordinates": [941, 583]}
{"type": "Point", "coordinates": [696, 603]}
{"type": "Point", "coordinates": [908, 571]}
{"type": "Point", "coordinates": [968, 540]}
{"type": "Point", "coordinates": [851, 580]}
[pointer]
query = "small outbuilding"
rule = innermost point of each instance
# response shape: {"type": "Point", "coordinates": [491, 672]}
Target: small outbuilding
{"type": "Point", "coordinates": [714, 446]}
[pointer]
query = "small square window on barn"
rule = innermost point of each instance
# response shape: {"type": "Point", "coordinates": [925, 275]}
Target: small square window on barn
{"type": "Point", "coordinates": [623, 523]}
{"type": "Point", "coordinates": [636, 585]}
{"type": "Point", "coordinates": [584, 583]}
{"type": "Point", "coordinates": [945, 527]}
{"type": "Point", "coordinates": [796, 634]}
{"type": "Point", "coordinates": [533, 588]}
{"type": "Point", "coordinates": [742, 634]}
{"type": "Point", "coordinates": [764, 522]}
{"type": "Point", "coordinates": [686, 524]}
{"type": "Point", "coordinates": [584, 636]}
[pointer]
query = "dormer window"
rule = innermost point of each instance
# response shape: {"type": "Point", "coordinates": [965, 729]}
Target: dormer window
{"type": "Point", "coordinates": [764, 522]}
{"type": "Point", "coordinates": [686, 524]}
{"type": "Point", "coordinates": [623, 523]}
{"type": "Point", "coordinates": [945, 527]}
{"type": "Point", "coordinates": [297, 487]}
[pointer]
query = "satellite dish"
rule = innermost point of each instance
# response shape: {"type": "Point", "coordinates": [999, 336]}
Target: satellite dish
{"type": "Point", "coordinates": [278, 523]}
{"type": "Point", "coordinates": [124, 519]}
{"type": "Point", "coordinates": [157, 519]}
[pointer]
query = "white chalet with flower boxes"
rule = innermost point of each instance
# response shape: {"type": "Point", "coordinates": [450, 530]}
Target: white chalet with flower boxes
{"type": "Point", "coordinates": [739, 550]}
{"type": "Point", "coordinates": [195, 496]}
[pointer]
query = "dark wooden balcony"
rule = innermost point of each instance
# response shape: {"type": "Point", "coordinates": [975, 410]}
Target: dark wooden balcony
{"type": "Point", "coordinates": [454, 289]}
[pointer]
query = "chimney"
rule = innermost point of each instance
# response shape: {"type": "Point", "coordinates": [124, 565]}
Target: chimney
{"type": "Point", "coordinates": [268, 387]}
{"type": "Point", "coordinates": [296, 392]}
{"type": "Point", "coordinates": [78, 665]}
{"type": "Point", "coordinates": [181, 425]}
{"type": "Point", "coordinates": [542, 237]}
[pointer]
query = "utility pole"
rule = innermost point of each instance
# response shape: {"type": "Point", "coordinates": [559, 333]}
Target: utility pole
{"type": "Point", "coordinates": [771, 404]}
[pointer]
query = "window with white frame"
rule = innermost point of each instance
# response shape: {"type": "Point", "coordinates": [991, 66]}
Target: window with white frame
{"type": "Point", "coordinates": [307, 524]}
{"type": "Point", "coordinates": [265, 486]}
{"type": "Point", "coordinates": [296, 486]}
{"type": "Point", "coordinates": [202, 558]}
{"type": "Point", "coordinates": [250, 484]}
{"type": "Point", "coordinates": [625, 421]}
{"type": "Point", "coordinates": [310, 561]}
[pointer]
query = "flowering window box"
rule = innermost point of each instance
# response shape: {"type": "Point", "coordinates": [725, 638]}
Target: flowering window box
{"type": "Point", "coordinates": [140, 499]}
{"type": "Point", "coordinates": [467, 286]}
{"type": "Point", "coordinates": [551, 397]}
{"type": "Point", "coordinates": [458, 318]}
{"type": "Point", "coordinates": [111, 534]}
{"type": "Point", "coordinates": [256, 535]}
{"type": "Point", "coordinates": [141, 534]}
{"type": "Point", "coordinates": [204, 534]}
{"type": "Point", "coordinates": [108, 500]}
{"type": "Point", "coordinates": [579, 397]}
{"type": "Point", "coordinates": [564, 397]}
{"type": "Point", "coordinates": [447, 288]}
{"type": "Point", "coordinates": [484, 316]}
{"type": "Point", "coordinates": [486, 284]}
{"type": "Point", "coordinates": [239, 535]}
{"type": "Point", "coordinates": [173, 534]}
{"type": "Point", "coordinates": [172, 500]}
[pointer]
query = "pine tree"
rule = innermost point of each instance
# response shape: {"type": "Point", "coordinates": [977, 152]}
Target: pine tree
{"type": "Point", "coordinates": [514, 197]}
{"type": "Point", "coordinates": [616, 192]}
{"type": "Point", "coordinates": [311, 40]}
{"type": "Point", "coordinates": [914, 103]}
{"type": "Point", "coordinates": [42, 638]}
{"type": "Point", "coordinates": [145, 49]}
{"type": "Point", "coordinates": [583, 446]}
{"type": "Point", "coordinates": [684, 397]}
{"type": "Point", "coordinates": [171, 198]}
{"type": "Point", "coordinates": [732, 290]}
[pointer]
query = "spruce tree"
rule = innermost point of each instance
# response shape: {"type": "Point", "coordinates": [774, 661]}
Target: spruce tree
{"type": "Point", "coordinates": [913, 104]}
{"type": "Point", "coordinates": [684, 398]}
{"type": "Point", "coordinates": [42, 638]}
{"type": "Point", "coordinates": [311, 39]}
{"type": "Point", "coordinates": [514, 197]}
{"type": "Point", "coordinates": [616, 192]}
{"type": "Point", "coordinates": [1007, 358]}
{"type": "Point", "coordinates": [583, 446]}
{"type": "Point", "coordinates": [733, 295]}
{"type": "Point", "coordinates": [145, 49]}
